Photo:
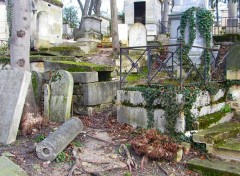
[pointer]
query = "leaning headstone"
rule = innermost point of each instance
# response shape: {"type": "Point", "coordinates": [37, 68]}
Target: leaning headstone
{"type": "Point", "coordinates": [61, 87]}
{"type": "Point", "coordinates": [137, 35]}
{"type": "Point", "coordinates": [9, 168]}
{"type": "Point", "coordinates": [13, 91]}
{"type": "Point", "coordinates": [56, 142]}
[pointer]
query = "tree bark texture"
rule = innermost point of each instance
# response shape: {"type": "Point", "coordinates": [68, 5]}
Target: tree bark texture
{"type": "Point", "coordinates": [19, 58]}
{"type": "Point", "coordinates": [20, 39]}
{"type": "Point", "coordinates": [114, 27]}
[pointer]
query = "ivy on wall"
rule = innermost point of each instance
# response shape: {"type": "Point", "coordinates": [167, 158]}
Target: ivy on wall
{"type": "Point", "coordinates": [201, 19]}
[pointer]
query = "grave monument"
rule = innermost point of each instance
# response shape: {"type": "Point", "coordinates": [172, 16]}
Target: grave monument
{"type": "Point", "coordinates": [180, 6]}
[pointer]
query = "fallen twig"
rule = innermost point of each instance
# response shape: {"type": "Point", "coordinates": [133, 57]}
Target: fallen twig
{"type": "Point", "coordinates": [130, 163]}
{"type": "Point", "coordinates": [144, 161]}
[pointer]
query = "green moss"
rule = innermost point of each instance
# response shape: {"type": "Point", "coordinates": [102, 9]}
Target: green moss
{"type": "Point", "coordinates": [34, 84]}
{"type": "Point", "coordinates": [213, 167]}
{"type": "Point", "coordinates": [54, 58]}
{"type": "Point", "coordinates": [229, 144]}
{"type": "Point", "coordinates": [206, 121]}
{"type": "Point", "coordinates": [83, 66]}
{"type": "Point", "coordinates": [55, 2]}
{"type": "Point", "coordinates": [220, 132]}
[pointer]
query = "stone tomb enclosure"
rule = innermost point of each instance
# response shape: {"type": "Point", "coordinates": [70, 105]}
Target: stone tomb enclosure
{"type": "Point", "coordinates": [131, 109]}
{"type": "Point", "coordinates": [13, 91]}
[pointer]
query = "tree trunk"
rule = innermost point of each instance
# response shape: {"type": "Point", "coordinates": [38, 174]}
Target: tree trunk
{"type": "Point", "coordinates": [165, 16]}
{"type": "Point", "coordinates": [84, 13]}
{"type": "Point", "coordinates": [19, 56]}
{"type": "Point", "coordinates": [98, 7]}
{"type": "Point", "coordinates": [114, 28]}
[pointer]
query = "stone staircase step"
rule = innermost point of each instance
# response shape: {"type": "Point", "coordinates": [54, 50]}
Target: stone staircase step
{"type": "Point", "coordinates": [227, 149]}
{"type": "Point", "coordinates": [217, 133]}
{"type": "Point", "coordinates": [214, 167]}
{"type": "Point", "coordinates": [214, 119]}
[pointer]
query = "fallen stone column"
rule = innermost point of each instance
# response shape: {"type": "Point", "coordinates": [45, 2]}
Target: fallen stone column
{"type": "Point", "coordinates": [56, 142]}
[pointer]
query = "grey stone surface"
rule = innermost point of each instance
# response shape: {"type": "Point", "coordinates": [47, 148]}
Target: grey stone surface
{"type": "Point", "coordinates": [61, 87]}
{"type": "Point", "coordinates": [134, 116]}
{"type": "Point", "coordinates": [85, 77]}
{"type": "Point", "coordinates": [218, 95]}
{"type": "Point", "coordinates": [99, 92]}
{"type": "Point", "coordinates": [9, 168]}
{"type": "Point", "coordinates": [137, 35]}
{"type": "Point", "coordinates": [130, 97]}
{"type": "Point", "coordinates": [46, 100]}
{"type": "Point", "coordinates": [56, 142]}
{"type": "Point", "coordinates": [37, 82]}
{"type": "Point", "coordinates": [159, 120]}
{"type": "Point", "coordinates": [13, 91]}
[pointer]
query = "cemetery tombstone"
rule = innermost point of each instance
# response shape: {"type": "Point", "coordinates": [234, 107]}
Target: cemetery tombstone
{"type": "Point", "coordinates": [61, 92]}
{"type": "Point", "coordinates": [13, 91]}
{"type": "Point", "coordinates": [137, 35]}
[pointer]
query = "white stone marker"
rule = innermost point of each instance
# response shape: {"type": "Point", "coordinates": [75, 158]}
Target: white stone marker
{"type": "Point", "coordinates": [13, 91]}
{"type": "Point", "coordinates": [61, 92]}
{"type": "Point", "coordinates": [137, 35]}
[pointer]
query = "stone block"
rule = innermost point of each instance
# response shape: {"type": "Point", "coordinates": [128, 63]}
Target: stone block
{"type": "Point", "coordinates": [9, 168]}
{"type": "Point", "coordinates": [56, 142]}
{"type": "Point", "coordinates": [159, 120]}
{"type": "Point", "coordinates": [198, 112]}
{"type": "Point", "coordinates": [234, 92]}
{"type": "Point", "coordinates": [181, 123]}
{"type": "Point", "coordinates": [37, 83]}
{"type": "Point", "coordinates": [218, 95]}
{"type": "Point", "coordinates": [61, 87]}
{"type": "Point", "coordinates": [233, 75]}
{"type": "Point", "coordinates": [202, 99]}
{"type": "Point", "coordinates": [134, 98]}
{"type": "Point", "coordinates": [13, 91]}
{"type": "Point", "coordinates": [99, 92]}
{"type": "Point", "coordinates": [134, 116]}
{"type": "Point", "coordinates": [85, 77]}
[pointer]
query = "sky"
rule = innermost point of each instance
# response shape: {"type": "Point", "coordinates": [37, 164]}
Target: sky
{"type": "Point", "coordinates": [105, 8]}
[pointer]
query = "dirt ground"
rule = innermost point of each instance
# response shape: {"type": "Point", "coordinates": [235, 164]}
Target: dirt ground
{"type": "Point", "coordinates": [95, 151]}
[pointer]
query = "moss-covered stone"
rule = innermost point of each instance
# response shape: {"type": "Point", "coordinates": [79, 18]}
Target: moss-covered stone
{"type": "Point", "coordinates": [80, 66]}
{"type": "Point", "coordinates": [37, 58]}
{"type": "Point", "coordinates": [229, 144]}
{"type": "Point", "coordinates": [214, 167]}
{"type": "Point", "coordinates": [55, 2]}
{"type": "Point", "coordinates": [205, 121]}
{"type": "Point", "coordinates": [217, 133]}
{"type": "Point", "coordinates": [63, 50]}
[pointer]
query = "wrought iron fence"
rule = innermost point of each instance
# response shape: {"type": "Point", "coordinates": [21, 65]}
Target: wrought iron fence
{"type": "Point", "coordinates": [226, 25]}
{"type": "Point", "coordinates": [171, 64]}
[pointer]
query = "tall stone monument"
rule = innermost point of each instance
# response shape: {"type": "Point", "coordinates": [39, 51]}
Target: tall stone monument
{"type": "Point", "coordinates": [181, 6]}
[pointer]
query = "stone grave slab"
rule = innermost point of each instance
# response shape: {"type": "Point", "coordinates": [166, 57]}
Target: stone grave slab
{"type": "Point", "coordinates": [13, 91]}
{"type": "Point", "coordinates": [7, 167]}
{"type": "Point", "coordinates": [61, 92]}
{"type": "Point", "coordinates": [137, 35]}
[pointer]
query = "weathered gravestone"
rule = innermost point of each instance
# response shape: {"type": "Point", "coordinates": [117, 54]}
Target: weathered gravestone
{"type": "Point", "coordinates": [137, 35]}
{"type": "Point", "coordinates": [61, 92]}
{"type": "Point", "coordinates": [13, 91]}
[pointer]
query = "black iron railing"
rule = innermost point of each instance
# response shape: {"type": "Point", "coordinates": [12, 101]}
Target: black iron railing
{"type": "Point", "coordinates": [157, 64]}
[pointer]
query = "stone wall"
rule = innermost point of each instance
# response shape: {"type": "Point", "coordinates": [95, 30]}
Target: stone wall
{"type": "Point", "coordinates": [132, 108]}
{"type": "Point", "coordinates": [3, 22]}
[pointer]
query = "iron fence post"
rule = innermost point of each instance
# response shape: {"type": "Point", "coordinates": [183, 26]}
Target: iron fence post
{"type": "Point", "coordinates": [181, 49]}
{"type": "Point", "coordinates": [205, 66]}
{"type": "Point", "coordinates": [148, 64]}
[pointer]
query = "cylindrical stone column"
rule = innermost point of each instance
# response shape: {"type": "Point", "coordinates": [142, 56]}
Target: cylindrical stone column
{"type": "Point", "coordinates": [56, 142]}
